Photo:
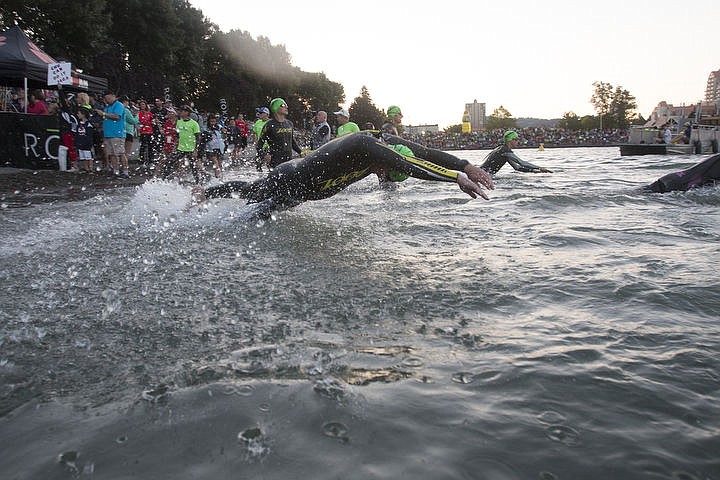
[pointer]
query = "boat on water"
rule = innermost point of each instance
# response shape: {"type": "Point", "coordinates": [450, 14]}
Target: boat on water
{"type": "Point", "coordinates": [705, 133]}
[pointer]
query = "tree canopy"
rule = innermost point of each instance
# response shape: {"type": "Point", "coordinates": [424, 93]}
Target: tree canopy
{"type": "Point", "coordinates": [363, 110]}
{"type": "Point", "coordinates": [147, 48]}
{"type": "Point", "coordinates": [500, 118]}
{"type": "Point", "coordinates": [614, 105]}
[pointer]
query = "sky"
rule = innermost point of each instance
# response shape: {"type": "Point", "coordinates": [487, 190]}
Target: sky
{"type": "Point", "coordinates": [535, 58]}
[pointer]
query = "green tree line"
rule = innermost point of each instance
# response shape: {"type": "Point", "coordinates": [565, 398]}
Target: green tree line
{"type": "Point", "coordinates": [148, 47]}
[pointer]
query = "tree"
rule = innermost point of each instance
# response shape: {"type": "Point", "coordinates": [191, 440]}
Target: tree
{"type": "Point", "coordinates": [622, 108]}
{"type": "Point", "coordinates": [60, 27]}
{"type": "Point", "coordinates": [500, 118]}
{"type": "Point", "coordinates": [454, 128]}
{"type": "Point", "coordinates": [363, 110]}
{"type": "Point", "coordinates": [590, 122]}
{"type": "Point", "coordinates": [570, 121]}
{"type": "Point", "coordinates": [614, 107]}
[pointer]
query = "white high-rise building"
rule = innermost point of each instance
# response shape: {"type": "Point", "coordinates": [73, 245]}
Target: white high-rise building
{"type": "Point", "coordinates": [477, 115]}
{"type": "Point", "coordinates": [712, 92]}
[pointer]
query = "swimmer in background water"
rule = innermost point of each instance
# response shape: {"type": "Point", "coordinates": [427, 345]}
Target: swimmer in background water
{"type": "Point", "coordinates": [504, 154]}
{"type": "Point", "coordinates": [344, 161]}
{"type": "Point", "coordinates": [704, 173]}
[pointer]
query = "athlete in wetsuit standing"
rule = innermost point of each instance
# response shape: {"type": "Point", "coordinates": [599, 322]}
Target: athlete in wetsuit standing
{"type": "Point", "coordinates": [337, 164]}
{"type": "Point", "coordinates": [278, 133]}
{"type": "Point", "coordinates": [504, 154]}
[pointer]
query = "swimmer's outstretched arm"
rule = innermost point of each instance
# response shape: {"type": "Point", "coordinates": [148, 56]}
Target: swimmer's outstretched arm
{"type": "Point", "coordinates": [523, 166]}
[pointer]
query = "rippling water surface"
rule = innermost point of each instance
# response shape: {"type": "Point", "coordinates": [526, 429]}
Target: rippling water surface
{"type": "Point", "coordinates": [566, 329]}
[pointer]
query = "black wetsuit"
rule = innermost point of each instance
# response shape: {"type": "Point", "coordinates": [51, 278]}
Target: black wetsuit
{"type": "Point", "coordinates": [280, 139]}
{"type": "Point", "coordinates": [504, 154]}
{"type": "Point", "coordinates": [337, 164]}
{"type": "Point", "coordinates": [704, 173]}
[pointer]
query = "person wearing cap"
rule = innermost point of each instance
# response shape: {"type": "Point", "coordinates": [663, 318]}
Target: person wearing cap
{"type": "Point", "coordinates": [278, 133]}
{"type": "Point", "coordinates": [263, 115]}
{"type": "Point", "coordinates": [342, 162]}
{"type": "Point", "coordinates": [345, 126]}
{"type": "Point", "coordinates": [394, 120]}
{"type": "Point", "coordinates": [504, 154]}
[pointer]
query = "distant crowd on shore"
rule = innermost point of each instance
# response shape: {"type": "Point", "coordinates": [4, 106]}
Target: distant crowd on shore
{"type": "Point", "coordinates": [529, 137]}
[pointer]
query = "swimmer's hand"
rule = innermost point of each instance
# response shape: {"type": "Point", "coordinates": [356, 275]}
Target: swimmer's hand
{"type": "Point", "coordinates": [470, 187]}
{"type": "Point", "coordinates": [542, 170]}
{"type": "Point", "coordinates": [479, 176]}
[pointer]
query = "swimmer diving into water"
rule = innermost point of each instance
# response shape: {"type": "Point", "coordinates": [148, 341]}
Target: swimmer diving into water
{"type": "Point", "coordinates": [341, 162]}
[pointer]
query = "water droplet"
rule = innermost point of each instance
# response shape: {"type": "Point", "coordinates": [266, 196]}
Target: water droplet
{"type": "Point", "coordinates": [245, 390]}
{"type": "Point", "coordinates": [412, 362]}
{"type": "Point", "coordinates": [335, 430]}
{"type": "Point", "coordinates": [563, 434]}
{"type": "Point", "coordinates": [463, 377]}
{"type": "Point", "coordinates": [550, 417]}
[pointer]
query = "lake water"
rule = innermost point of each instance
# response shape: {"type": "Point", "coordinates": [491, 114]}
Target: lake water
{"type": "Point", "coordinates": [566, 329]}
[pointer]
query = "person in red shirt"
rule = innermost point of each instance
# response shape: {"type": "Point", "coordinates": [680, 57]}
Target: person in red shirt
{"type": "Point", "coordinates": [168, 157]}
{"type": "Point", "coordinates": [36, 103]}
{"type": "Point", "coordinates": [145, 129]}
{"type": "Point", "coordinates": [242, 129]}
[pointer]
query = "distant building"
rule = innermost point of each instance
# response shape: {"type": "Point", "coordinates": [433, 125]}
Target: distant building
{"type": "Point", "coordinates": [712, 92]}
{"type": "Point", "coordinates": [420, 129]}
{"type": "Point", "coordinates": [477, 115]}
{"type": "Point", "coordinates": [667, 112]}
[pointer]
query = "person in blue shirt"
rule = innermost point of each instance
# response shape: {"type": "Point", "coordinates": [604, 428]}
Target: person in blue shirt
{"type": "Point", "coordinates": [114, 133]}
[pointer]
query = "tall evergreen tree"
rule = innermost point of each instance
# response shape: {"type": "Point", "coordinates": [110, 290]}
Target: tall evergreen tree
{"type": "Point", "coordinates": [363, 110]}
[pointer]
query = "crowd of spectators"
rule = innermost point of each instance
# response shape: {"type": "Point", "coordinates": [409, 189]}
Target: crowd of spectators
{"type": "Point", "coordinates": [532, 137]}
{"type": "Point", "coordinates": [150, 129]}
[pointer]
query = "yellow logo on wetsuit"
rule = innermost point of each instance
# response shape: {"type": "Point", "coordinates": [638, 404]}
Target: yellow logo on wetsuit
{"type": "Point", "coordinates": [425, 164]}
{"type": "Point", "coordinates": [334, 182]}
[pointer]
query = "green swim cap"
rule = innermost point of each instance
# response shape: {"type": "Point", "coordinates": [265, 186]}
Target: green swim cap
{"type": "Point", "coordinates": [510, 135]}
{"type": "Point", "coordinates": [393, 110]}
{"type": "Point", "coordinates": [394, 175]}
{"type": "Point", "coordinates": [276, 103]}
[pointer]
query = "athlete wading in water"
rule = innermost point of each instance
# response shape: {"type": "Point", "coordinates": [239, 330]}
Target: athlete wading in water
{"type": "Point", "coordinates": [341, 162]}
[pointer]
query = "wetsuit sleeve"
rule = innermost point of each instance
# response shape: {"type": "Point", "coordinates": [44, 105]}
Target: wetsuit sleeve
{"type": "Point", "coordinates": [295, 146]}
{"type": "Point", "coordinates": [228, 190]}
{"type": "Point", "coordinates": [437, 157]}
{"type": "Point", "coordinates": [519, 164]}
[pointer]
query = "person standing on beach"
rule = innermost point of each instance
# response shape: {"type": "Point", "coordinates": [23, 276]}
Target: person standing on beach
{"type": "Point", "coordinates": [188, 142]}
{"type": "Point", "coordinates": [262, 115]}
{"type": "Point", "coordinates": [504, 154]}
{"type": "Point", "coordinates": [321, 131]}
{"type": "Point", "coordinates": [114, 133]}
{"type": "Point", "coordinates": [278, 133]}
{"type": "Point", "coordinates": [345, 126]}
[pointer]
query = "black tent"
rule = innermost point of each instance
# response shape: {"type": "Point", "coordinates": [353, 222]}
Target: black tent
{"type": "Point", "coordinates": [21, 60]}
